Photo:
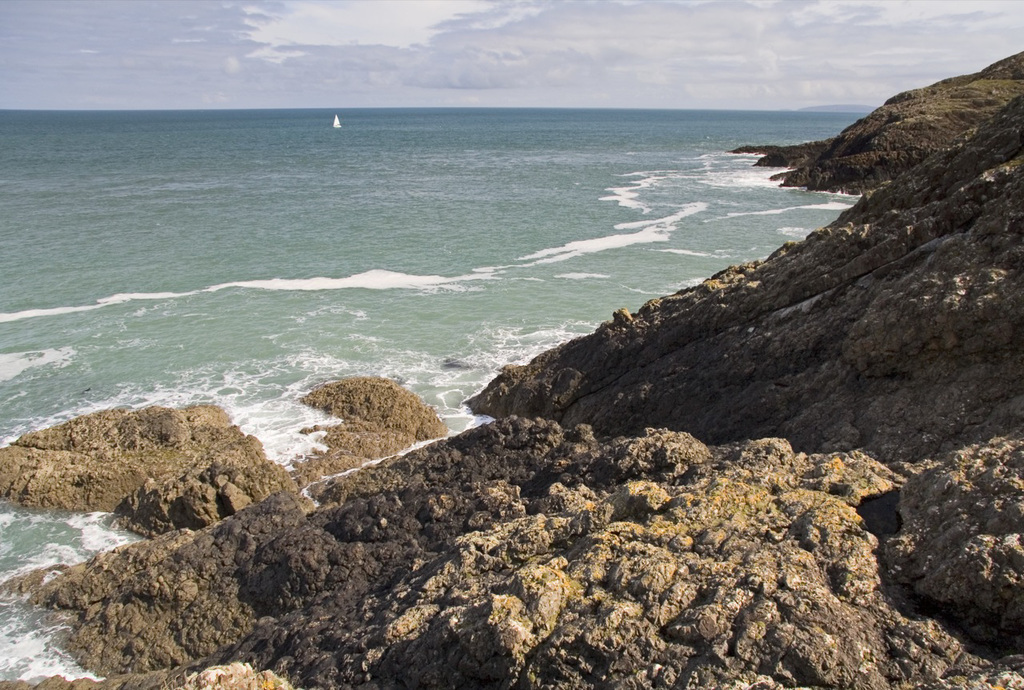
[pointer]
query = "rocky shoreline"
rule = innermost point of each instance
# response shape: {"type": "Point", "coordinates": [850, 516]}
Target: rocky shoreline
{"type": "Point", "coordinates": [804, 472]}
{"type": "Point", "coordinates": [894, 138]}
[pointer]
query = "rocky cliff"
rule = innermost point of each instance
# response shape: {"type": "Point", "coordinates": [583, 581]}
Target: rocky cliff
{"type": "Point", "coordinates": [805, 472]}
{"type": "Point", "coordinates": [903, 132]}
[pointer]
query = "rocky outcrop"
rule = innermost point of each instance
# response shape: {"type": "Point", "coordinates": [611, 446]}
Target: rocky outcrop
{"type": "Point", "coordinates": [961, 547]}
{"type": "Point", "coordinates": [201, 496]}
{"type": "Point", "coordinates": [163, 602]}
{"type": "Point", "coordinates": [894, 329]}
{"type": "Point", "coordinates": [793, 156]}
{"type": "Point", "coordinates": [94, 461]}
{"type": "Point", "coordinates": [897, 136]}
{"type": "Point", "coordinates": [380, 419]}
{"type": "Point", "coordinates": [524, 554]}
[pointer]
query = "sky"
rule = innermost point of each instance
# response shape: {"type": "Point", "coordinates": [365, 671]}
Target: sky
{"type": "Point", "coordinates": [676, 54]}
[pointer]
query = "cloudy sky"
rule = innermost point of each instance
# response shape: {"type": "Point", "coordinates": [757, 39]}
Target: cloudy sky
{"type": "Point", "coordinates": [761, 54]}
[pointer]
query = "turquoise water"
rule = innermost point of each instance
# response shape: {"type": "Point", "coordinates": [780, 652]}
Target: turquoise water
{"type": "Point", "coordinates": [243, 257]}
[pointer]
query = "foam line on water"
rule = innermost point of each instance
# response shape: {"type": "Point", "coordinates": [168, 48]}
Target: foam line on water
{"type": "Point", "coordinates": [370, 280]}
{"type": "Point", "coordinates": [827, 206]}
{"type": "Point", "coordinates": [581, 276]}
{"type": "Point", "coordinates": [651, 231]}
{"type": "Point", "coordinates": [688, 252]}
{"type": "Point", "coordinates": [376, 279]}
{"type": "Point", "coordinates": [627, 197]}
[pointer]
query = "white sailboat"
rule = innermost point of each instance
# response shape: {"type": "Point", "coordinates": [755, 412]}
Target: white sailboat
{"type": "Point", "coordinates": [337, 122]}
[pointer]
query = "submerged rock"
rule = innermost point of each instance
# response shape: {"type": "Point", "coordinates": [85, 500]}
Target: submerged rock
{"type": "Point", "coordinates": [94, 461]}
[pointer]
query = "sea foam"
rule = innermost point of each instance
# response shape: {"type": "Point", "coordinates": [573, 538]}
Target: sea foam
{"type": "Point", "coordinates": [370, 280]}
{"type": "Point", "coordinates": [35, 540]}
{"type": "Point", "coordinates": [651, 231]}
{"type": "Point", "coordinates": [828, 206]}
{"type": "Point", "coordinates": [13, 363]}
{"type": "Point", "coordinates": [628, 197]}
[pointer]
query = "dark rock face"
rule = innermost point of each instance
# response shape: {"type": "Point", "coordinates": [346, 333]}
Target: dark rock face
{"type": "Point", "coordinates": [201, 496]}
{"type": "Point", "coordinates": [795, 156]}
{"type": "Point", "coordinates": [163, 602]}
{"type": "Point", "coordinates": [94, 461]}
{"type": "Point", "coordinates": [899, 135]}
{"type": "Point", "coordinates": [962, 544]}
{"type": "Point", "coordinates": [894, 329]}
{"type": "Point", "coordinates": [525, 554]}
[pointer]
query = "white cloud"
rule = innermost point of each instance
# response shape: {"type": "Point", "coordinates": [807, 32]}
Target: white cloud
{"type": "Point", "coordinates": [397, 23]}
{"type": "Point", "coordinates": [616, 53]}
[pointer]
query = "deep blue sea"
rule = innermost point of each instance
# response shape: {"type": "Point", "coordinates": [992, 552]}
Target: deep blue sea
{"type": "Point", "coordinates": [243, 257]}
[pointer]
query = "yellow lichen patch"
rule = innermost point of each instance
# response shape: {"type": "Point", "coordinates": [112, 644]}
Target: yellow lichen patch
{"type": "Point", "coordinates": [638, 499]}
{"type": "Point", "coordinates": [512, 628]}
{"type": "Point", "coordinates": [546, 591]}
{"type": "Point", "coordinates": [411, 623]}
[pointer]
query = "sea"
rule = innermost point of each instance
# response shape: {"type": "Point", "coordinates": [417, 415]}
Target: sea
{"type": "Point", "coordinates": [241, 258]}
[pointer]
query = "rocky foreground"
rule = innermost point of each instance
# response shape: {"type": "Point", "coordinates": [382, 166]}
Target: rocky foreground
{"type": "Point", "coordinates": [805, 472]}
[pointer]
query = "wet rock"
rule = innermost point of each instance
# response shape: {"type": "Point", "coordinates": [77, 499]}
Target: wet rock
{"type": "Point", "coordinates": [380, 419]}
{"type": "Point", "coordinates": [94, 461]}
{"type": "Point", "coordinates": [159, 603]}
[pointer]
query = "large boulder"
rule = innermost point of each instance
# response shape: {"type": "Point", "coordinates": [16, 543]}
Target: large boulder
{"type": "Point", "coordinates": [895, 329]}
{"type": "Point", "coordinates": [897, 136]}
{"type": "Point", "coordinates": [961, 546]}
{"type": "Point", "coordinates": [380, 418]}
{"type": "Point", "coordinates": [201, 496]}
{"type": "Point", "coordinates": [94, 461]}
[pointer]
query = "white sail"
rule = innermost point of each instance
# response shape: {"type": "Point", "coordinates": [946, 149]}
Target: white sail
{"type": "Point", "coordinates": [337, 122]}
